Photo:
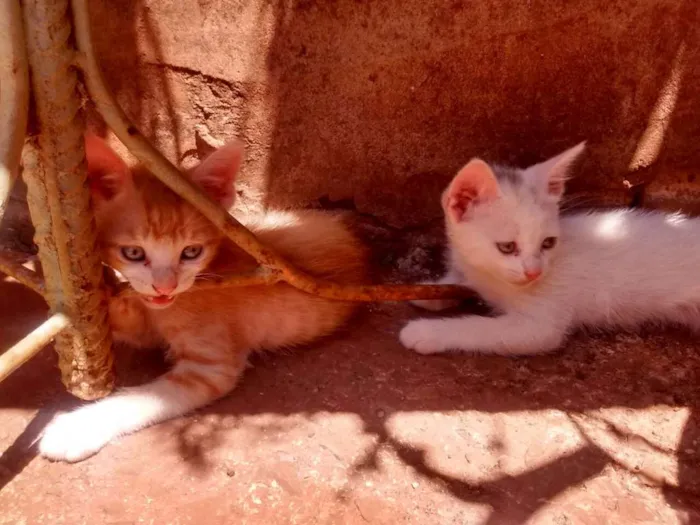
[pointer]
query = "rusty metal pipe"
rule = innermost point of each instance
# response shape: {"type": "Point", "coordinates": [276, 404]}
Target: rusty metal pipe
{"type": "Point", "coordinates": [152, 159]}
{"type": "Point", "coordinates": [261, 276]}
{"type": "Point", "coordinates": [59, 203]}
{"type": "Point", "coordinates": [14, 96]}
{"type": "Point", "coordinates": [32, 344]}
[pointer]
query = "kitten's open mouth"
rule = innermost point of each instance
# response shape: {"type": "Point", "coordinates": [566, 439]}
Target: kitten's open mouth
{"type": "Point", "coordinates": [160, 301]}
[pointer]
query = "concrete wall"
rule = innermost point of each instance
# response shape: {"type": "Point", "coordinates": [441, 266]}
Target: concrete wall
{"type": "Point", "coordinates": [373, 104]}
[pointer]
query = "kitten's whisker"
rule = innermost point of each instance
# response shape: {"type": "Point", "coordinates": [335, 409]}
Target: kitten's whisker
{"type": "Point", "coordinates": [211, 278]}
{"type": "Point", "coordinates": [573, 202]}
{"type": "Point", "coordinates": [208, 275]}
{"type": "Point", "coordinates": [576, 198]}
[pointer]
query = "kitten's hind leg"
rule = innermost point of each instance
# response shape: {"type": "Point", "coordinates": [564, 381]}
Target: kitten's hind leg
{"type": "Point", "coordinates": [451, 277]}
{"type": "Point", "coordinates": [196, 379]}
{"type": "Point", "coordinates": [509, 334]}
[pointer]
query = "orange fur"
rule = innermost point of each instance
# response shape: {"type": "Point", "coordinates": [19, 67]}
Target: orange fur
{"type": "Point", "coordinates": [210, 333]}
{"type": "Point", "coordinates": [250, 318]}
{"type": "Point", "coordinates": [256, 315]}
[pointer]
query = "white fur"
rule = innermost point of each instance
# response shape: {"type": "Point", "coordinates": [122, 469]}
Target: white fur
{"type": "Point", "coordinates": [619, 268]}
{"type": "Point", "coordinates": [76, 435]}
{"type": "Point", "coordinates": [205, 351]}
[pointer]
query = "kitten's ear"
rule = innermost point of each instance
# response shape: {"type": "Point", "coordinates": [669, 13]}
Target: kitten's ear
{"type": "Point", "coordinates": [216, 174]}
{"type": "Point", "coordinates": [475, 183]}
{"type": "Point", "coordinates": [108, 174]}
{"type": "Point", "coordinates": [553, 173]}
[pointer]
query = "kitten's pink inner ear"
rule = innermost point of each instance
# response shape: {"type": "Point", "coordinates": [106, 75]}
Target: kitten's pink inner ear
{"type": "Point", "coordinates": [216, 174]}
{"type": "Point", "coordinates": [555, 187]}
{"type": "Point", "coordinates": [558, 168]}
{"type": "Point", "coordinates": [475, 183]}
{"type": "Point", "coordinates": [108, 174]}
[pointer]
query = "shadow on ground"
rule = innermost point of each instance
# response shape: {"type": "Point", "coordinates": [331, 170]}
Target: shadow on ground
{"type": "Point", "coordinates": [356, 428]}
{"type": "Point", "coordinates": [507, 439]}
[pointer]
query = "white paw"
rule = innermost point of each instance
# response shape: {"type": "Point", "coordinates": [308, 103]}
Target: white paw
{"type": "Point", "coordinates": [75, 436]}
{"type": "Point", "coordinates": [435, 305]}
{"type": "Point", "coordinates": [423, 336]}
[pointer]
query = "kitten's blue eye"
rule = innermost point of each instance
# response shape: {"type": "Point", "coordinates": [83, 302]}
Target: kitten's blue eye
{"type": "Point", "coordinates": [191, 252]}
{"type": "Point", "coordinates": [507, 248]}
{"type": "Point", "coordinates": [133, 253]}
{"type": "Point", "coordinates": [549, 243]}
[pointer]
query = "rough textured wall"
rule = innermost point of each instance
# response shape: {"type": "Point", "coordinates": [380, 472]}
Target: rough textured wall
{"type": "Point", "coordinates": [375, 104]}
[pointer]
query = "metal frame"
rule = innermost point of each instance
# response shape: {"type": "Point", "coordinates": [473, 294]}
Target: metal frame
{"type": "Point", "coordinates": [59, 200]}
{"type": "Point", "coordinates": [14, 95]}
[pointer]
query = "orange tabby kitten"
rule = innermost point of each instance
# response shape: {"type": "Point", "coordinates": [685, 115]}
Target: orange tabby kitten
{"type": "Point", "coordinates": [161, 245]}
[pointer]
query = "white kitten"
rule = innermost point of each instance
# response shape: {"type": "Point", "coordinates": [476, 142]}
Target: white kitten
{"type": "Point", "coordinates": [547, 275]}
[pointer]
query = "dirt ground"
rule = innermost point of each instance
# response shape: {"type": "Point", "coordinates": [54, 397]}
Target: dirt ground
{"type": "Point", "coordinates": [356, 429]}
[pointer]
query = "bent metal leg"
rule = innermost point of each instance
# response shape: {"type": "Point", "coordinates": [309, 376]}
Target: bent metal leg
{"type": "Point", "coordinates": [59, 203]}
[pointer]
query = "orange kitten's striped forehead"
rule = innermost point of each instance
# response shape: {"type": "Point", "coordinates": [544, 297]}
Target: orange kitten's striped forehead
{"type": "Point", "coordinates": [156, 240]}
{"type": "Point", "coordinates": [150, 209]}
{"type": "Point", "coordinates": [155, 219]}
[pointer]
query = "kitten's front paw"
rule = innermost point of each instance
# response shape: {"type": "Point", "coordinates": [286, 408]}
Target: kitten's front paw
{"type": "Point", "coordinates": [74, 436]}
{"type": "Point", "coordinates": [423, 336]}
{"type": "Point", "coordinates": [435, 305]}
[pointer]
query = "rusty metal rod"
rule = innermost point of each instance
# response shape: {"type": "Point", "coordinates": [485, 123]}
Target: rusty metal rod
{"type": "Point", "coordinates": [154, 161]}
{"type": "Point", "coordinates": [59, 203]}
{"type": "Point", "coordinates": [261, 276]}
{"type": "Point", "coordinates": [31, 345]}
{"type": "Point", "coordinates": [21, 274]}
{"type": "Point", "coordinates": [14, 96]}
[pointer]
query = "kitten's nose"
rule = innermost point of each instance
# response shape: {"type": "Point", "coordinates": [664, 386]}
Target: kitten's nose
{"type": "Point", "coordinates": [531, 275]}
{"type": "Point", "coordinates": [164, 289]}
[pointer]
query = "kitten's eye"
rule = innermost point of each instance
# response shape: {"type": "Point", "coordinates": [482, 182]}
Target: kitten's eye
{"type": "Point", "coordinates": [133, 253]}
{"type": "Point", "coordinates": [507, 248]}
{"type": "Point", "coordinates": [191, 252]}
{"type": "Point", "coordinates": [549, 243]}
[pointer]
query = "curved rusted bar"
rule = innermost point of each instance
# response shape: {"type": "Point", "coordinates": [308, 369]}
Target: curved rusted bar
{"type": "Point", "coordinates": [152, 159]}
{"type": "Point", "coordinates": [261, 276]}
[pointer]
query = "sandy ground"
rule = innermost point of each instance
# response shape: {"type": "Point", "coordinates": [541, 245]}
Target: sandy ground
{"type": "Point", "coordinates": [356, 429]}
